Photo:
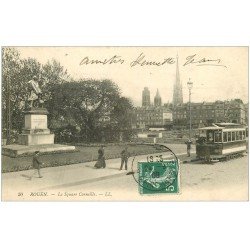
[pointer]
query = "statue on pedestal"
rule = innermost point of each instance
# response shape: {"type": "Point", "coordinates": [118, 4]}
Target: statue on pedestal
{"type": "Point", "coordinates": [35, 96]}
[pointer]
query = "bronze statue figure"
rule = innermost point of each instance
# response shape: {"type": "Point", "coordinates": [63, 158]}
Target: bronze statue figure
{"type": "Point", "coordinates": [35, 96]}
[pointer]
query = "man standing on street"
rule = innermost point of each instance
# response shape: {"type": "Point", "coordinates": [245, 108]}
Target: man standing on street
{"type": "Point", "coordinates": [124, 158]}
{"type": "Point", "coordinates": [36, 165]}
{"type": "Point", "coordinates": [189, 142]}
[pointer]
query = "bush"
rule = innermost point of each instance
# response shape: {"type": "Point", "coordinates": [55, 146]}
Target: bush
{"type": "Point", "coordinates": [65, 134]}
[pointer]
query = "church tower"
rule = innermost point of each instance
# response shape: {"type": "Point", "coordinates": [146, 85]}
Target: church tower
{"type": "Point", "coordinates": [145, 97]}
{"type": "Point", "coordinates": [177, 95]}
{"type": "Point", "coordinates": [157, 99]}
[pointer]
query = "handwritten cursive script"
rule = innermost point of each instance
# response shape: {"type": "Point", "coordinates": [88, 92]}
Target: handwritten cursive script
{"type": "Point", "coordinates": [112, 60]}
{"type": "Point", "coordinates": [140, 60]}
{"type": "Point", "coordinates": [203, 62]}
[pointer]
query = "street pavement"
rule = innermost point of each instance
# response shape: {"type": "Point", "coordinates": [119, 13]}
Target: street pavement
{"type": "Point", "coordinates": [82, 182]}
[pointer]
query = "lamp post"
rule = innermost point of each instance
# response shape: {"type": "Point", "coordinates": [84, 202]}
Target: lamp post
{"type": "Point", "coordinates": [190, 85]}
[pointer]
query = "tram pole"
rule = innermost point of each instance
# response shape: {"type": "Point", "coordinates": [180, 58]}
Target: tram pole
{"type": "Point", "coordinates": [190, 85]}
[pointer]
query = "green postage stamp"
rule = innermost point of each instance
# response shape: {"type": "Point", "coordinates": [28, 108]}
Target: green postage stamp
{"type": "Point", "coordinates": [159, 177]}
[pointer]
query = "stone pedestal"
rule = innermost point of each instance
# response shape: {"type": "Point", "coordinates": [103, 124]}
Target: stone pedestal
{"type": "Point", "coordinates": [16, 150]}
{"type": "Point", "coordinates": [35, 130]}
{"type": "Point", "coordinates": [35, 137]}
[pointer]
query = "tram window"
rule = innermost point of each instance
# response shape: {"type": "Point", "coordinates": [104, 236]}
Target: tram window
{"type": "Point", "coordinates": [217, 136]}
{"type": "Point", "coordinates": [238, 135]}
{"type": "Point", "coordinates": [224, 136]}
{"type": "Point", "coordinates": [202, 133]}
{"type": "Point", "coordinates": [240, 132]}
{"type": "Point", "coordinates": [243, 135]}
{"type": "Point", "coordinates": [229, 138]}
{"type": "Point", "coordinates": [233, 136]}
{"type": "Point", "coordinates": [210, 137]}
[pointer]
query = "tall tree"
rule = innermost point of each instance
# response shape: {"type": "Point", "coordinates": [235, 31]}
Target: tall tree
{"type": "Point", "coordinates": [10, 66]}
{"type": "Point", "coordinates": [83, 103]}
{"type": "Point", "coordinates": [52, 73]}
{"type": "Point", "coordinates": [10, 60]}
{"type": "Point", "coordinates": [16, 74]}
{"type": "Point", "coordinates": [121, 117]}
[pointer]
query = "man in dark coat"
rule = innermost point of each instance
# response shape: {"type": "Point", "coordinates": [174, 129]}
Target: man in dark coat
{"type": "Point", "coordinates": [36, 165]}
{"type": "Point", "coordinates": [124, 158]}
{"type": "Point", "coordinates": [189, 142]}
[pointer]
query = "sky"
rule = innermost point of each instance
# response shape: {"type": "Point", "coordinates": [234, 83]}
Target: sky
{"type": "Point", "coordinates": [223, 77]}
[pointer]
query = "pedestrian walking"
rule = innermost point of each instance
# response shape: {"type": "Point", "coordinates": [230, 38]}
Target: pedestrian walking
{"type": "Point", "coordinates": [124, 158]}
{"type": "Point", "coordinates": [36, 165]}
{"type": "Point", "coordinates": [189, 142]}
{"type": "Point", "coordinates": [101, 158]}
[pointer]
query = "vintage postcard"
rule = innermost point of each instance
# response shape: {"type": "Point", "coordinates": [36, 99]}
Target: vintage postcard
{"type": "Point", "coordinates": [124, 124]}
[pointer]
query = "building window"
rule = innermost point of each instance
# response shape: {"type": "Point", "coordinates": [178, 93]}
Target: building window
{"type": "Point", "coordinates": [229, 136]}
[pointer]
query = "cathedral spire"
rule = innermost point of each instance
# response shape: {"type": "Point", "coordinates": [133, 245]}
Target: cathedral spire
{"type": "Point", "coordinates": [177, 94]}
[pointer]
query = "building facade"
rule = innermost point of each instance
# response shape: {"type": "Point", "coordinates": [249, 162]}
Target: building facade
{"type": "Point", "coordinates": [177, 114]}
{"type": "Point", "coordinates": [149, 116]}
{"type": "Point", "coordinates": [152, 116]}
{"type": "Point", "coordinates": [206, 113]}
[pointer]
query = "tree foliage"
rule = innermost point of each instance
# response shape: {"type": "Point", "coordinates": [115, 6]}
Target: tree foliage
{"type": "Point", "coordinates": [121, 117]}
{"type": "Point", "coordinates": [86, 104]}
{"type": "Point", "coordinates": [17, 73]}
{"type": "Point", "coordinates": [90, 109]}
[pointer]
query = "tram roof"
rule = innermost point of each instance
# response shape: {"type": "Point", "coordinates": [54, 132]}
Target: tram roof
{"type": "Point", "coordinates": [222, 125]}
{"type": "Point", "coordinates": [227, 124]}
{"type": "Point", "coordinates": [211, 128]}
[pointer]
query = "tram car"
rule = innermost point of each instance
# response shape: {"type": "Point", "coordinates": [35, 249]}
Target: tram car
{"type": "Point", "coordinates": [221, 141]}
